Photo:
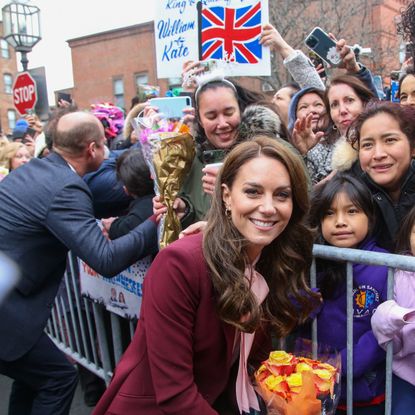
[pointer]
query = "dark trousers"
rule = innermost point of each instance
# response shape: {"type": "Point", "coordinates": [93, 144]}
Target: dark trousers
{"type": "Point", "coordinates": [44, 381]}
{"type": "Point", "coordinates": [403, 397]}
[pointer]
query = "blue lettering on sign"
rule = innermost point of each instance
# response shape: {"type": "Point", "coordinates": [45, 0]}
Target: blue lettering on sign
{"type": "Point", "coordinates": [168, 28]}
{"type": "Point", "coordinates": [176, 4]}
{"type": "Point", "coordinates": [176, 49]}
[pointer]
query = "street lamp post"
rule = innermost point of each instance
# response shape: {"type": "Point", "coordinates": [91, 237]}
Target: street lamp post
{"type": "Point", "coordinates": [21, 27]}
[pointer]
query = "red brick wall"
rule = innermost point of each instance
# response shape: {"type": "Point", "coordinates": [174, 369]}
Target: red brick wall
{"type": "Point", "coordinates": [122, 53]}
{"type": "Point", "coordinates": [7, 66]}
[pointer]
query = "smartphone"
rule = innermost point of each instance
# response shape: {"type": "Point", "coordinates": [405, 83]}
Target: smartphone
{"type": "Point", "coordinates": [209, 64]}
{"type": "Point", "coordinates": [171, 107]}
{"type": "Point", "coordinates": [323, 45]}
{"type": "Point", "coordinates": [65, 97]}
{"type": "Point", "coordinates": [316, 60]}
{"type": "Point", "coordinates": [213, 156]}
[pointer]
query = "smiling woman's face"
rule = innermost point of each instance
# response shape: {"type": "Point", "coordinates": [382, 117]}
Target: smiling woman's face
{"type": "Point", "coordinates": [219, 116]}
{"type": "Point", "coordinates": [260, 203]}
{"type": "Point", "coordinates": [385, 152]}
{"type": "Point", "coordinates": [311, 103]}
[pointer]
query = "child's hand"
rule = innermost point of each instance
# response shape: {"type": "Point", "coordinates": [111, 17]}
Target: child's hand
{"type": "Point", "coordinates": [159, 208]}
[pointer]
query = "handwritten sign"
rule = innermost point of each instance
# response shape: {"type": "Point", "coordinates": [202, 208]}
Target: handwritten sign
{"type": "Point", "coordinates": [121, 294]}
{"type": "Point", "coordinates": [226, 31]}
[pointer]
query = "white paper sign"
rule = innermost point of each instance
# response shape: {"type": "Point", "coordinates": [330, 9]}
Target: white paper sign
{"type": "Point", "coordinates": [121, 294]}
{"type": "Point", "coordinates": [222, 30]}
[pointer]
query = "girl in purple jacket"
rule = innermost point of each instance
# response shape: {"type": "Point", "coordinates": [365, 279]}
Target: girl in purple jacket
{"type": "Point", "coordinates": [394, 321]}
{"type": "Point", "coordinates": [343, 213]}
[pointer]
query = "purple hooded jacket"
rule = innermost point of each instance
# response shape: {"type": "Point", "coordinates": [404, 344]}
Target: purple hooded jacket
{"type": "Point", "coordinates": [370, 290]}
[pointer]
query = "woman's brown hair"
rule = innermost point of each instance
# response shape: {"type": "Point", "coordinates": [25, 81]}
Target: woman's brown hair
{"type": "Point", "coordinates": [360, 89]}
{"type": "Point", "coordinates": [284, 263]}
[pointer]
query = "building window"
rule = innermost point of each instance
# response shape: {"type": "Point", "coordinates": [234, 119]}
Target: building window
{"type": "Point", "coordinates": [11, 118]}
{"type": "Point", "coordinates": [141, 79]}
{"type": "Point", "coordinates": [4, 46]}
{"type": "Point", "coordinates": [8, 83]}
{"type": "Point", "coordinates": [118, 87]}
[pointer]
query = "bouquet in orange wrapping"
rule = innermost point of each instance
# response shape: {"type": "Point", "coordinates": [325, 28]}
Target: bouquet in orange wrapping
{"type": "Point", "coordinates": [292, 385]}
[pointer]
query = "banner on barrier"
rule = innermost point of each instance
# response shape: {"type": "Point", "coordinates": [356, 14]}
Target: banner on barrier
{"type": "Point", "coordinates": [121, 294]}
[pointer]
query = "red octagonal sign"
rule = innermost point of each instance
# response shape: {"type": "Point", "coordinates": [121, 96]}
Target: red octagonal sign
{"type": "Point", "coordinates": [24, 92]}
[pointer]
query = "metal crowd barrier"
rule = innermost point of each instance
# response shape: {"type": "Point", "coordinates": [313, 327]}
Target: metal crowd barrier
{"type": "Point", "coordinates": [91, 336]}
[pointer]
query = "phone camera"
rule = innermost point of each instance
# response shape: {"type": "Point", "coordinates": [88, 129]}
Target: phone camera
{"type": "Point", "coordinates": [311, 42]}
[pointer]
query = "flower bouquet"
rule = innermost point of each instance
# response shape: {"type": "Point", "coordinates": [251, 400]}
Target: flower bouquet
{"type": "Point", "coordinates": [292, 385]}
{"type": "Point", "coordinates": [168, 149]}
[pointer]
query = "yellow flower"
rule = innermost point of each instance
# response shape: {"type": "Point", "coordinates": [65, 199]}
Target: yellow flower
{"type": "Point", "coordinates": [303, 367]}
{"type": "Point", "coordinates": [272, 382]}
{"type": "Point", "coordinates": [295, 380]}
{"type": "Point", "coordinates": [323, 374]}
{"type": "Point", "coordinates": [279, 357]}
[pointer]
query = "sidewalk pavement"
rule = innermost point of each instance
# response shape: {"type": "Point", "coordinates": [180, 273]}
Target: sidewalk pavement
{"type": "Point", "coordinates": [78, 407]}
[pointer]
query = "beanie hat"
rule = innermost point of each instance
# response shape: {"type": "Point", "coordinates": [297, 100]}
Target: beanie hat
{"type": "Point", "coordinates": [259, 119]}
{"type": "Point", "coordinates": [292, 109]}
{"type": "Point", "coordinates": [19, 131]}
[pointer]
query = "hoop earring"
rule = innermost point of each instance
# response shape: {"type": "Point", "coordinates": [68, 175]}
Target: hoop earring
{"type": "Point", "coordinates": [334, 128]}
{"type": "Point", "coordinates": [228, 212]}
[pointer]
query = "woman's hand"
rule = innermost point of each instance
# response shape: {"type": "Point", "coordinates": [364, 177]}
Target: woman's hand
{"type": "Point", "coordinates": [303, 138]}
{"type": "Point", "coordinates": [209, 178]}
{"type": "Point", "coordinates": [190, 70]}
{"type": "Point", "coordinates": [347, 56]}
{"type": "Point", "coordinates": [188, 116]}
{"type": "Point", "coordinates": [194, 228]}
{"type": "Point", "coordinates": [271, 37]}
{"type": "Point", "coordinates": [159, 208]}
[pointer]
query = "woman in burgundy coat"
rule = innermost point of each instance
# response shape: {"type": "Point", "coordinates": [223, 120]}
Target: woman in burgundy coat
{"type": "Point", "coordinates": [212, 300]}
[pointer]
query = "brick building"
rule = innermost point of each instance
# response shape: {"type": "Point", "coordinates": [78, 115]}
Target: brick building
{"type": "Point", "coordinates": [108, 66]}
{"type": "Point", "coordinates": [8, 69]}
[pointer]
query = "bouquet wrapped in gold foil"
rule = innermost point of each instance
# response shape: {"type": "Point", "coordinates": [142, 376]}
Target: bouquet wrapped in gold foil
{"type": "Point", "coordinates": [169, 151]}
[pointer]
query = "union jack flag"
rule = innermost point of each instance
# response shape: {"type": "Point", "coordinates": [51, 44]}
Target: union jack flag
{"type": "Point", "coordinates": [231, 34]}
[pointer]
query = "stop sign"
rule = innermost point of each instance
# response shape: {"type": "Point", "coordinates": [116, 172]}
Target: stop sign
{"type": "Point", "coordinates": [24, 92]}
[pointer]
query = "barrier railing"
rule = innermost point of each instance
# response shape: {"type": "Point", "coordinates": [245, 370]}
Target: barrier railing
{"type": "Point", "coordinates": [93, 337]}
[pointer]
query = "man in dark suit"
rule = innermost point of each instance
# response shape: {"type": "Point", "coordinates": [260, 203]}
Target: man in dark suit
{"type": "Point", "coordinates": [46, 209]}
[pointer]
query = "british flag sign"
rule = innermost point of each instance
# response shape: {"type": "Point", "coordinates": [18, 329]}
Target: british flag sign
{"type": "Point", "coordinates": [231, 34]}
{"type": "Point", "coordinates": [224, 32]}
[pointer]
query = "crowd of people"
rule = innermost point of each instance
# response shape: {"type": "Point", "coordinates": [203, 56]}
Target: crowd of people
{"type": "Point", "coordinates": [322, 161]}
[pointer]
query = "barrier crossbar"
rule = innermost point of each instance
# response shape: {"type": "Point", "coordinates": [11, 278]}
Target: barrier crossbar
{"type": "Point", "coordinates": [91, 335]}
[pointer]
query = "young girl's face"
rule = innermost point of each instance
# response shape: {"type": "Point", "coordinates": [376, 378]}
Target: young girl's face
{"type": "Point", "coordinates": [344, 224]}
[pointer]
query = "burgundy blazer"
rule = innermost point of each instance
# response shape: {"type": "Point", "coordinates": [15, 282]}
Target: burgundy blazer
{"type": "Point", "coordinates": [180, 358]}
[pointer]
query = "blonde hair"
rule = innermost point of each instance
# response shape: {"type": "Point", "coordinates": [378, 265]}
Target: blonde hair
{"type": "Point", "coordinates": [7, 152]}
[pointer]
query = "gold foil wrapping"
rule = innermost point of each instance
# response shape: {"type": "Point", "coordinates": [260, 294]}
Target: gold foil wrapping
{"type": "Point", "coordinates": [173, 155]}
